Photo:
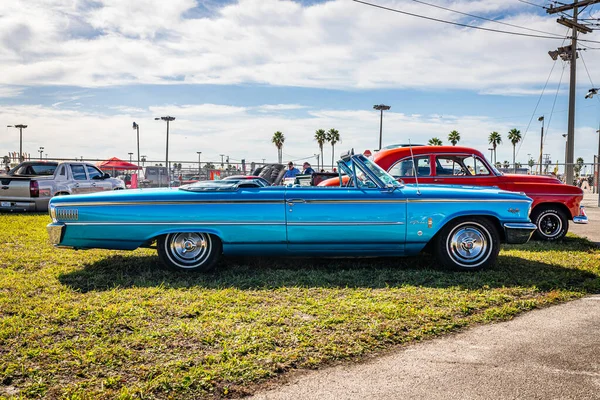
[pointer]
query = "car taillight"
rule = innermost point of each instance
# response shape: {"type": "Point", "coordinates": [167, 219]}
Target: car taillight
{"type": "Point", "coordinates": [34, 189]}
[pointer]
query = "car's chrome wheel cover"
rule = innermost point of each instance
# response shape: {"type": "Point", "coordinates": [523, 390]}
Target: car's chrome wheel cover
{"type": "Point", "coordinates": [188, 250]}
{"type": "Point", "coordinates": [469, 244]}
{"type": "Point", "coordinates": [550, 225]}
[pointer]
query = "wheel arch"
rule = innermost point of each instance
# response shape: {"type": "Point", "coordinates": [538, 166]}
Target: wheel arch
{"type": "Point", "coordinates": [493, 219]}
{"type": "Point", "coordinates": [549, 204]}
{"type": "Point", "coordinates": [163, 232]}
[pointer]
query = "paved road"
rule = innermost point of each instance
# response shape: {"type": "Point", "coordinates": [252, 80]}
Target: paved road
{"type": "Point", "coordinates": [552, 353]}
{"type": "Point", "coordinates": [591, 230]}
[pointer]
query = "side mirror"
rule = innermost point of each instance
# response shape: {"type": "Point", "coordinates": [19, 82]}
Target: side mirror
{"type": "Point", "coordinates": [105, 176]}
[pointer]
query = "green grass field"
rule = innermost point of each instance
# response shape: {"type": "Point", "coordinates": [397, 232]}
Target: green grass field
{"type": "Point", "coordinates": [107, 324]}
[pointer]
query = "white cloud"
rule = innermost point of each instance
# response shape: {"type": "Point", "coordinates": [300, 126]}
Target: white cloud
{"type": "Point", "coordinates": [10, 91]}
{"type": "Point", "coordinates": [337, 44]}
{"type": "Point", "coordinates": [220, 129]}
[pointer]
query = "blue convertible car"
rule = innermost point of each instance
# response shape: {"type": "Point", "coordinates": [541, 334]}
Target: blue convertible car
{"type": "Point", "coordinates": [371, 215]}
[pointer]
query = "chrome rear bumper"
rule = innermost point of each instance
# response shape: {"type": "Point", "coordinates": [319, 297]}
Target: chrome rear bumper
{"type": "Point", "coordinates": [519, 233]}
{"type": "Point", "coordinates": [56, 232]}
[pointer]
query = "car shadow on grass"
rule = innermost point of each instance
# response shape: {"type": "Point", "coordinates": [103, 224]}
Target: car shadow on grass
{"type": "Point", "coordinates": [125, 271]}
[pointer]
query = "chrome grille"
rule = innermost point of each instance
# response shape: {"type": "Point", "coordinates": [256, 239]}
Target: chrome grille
{"type": "Point", "coordinates": [67, 214]}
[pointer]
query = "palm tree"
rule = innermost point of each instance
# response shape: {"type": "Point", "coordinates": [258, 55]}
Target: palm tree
{"type": "Point", "coordinates": [321, 138]}
{"type": "Point", "coordinates": [578, 165]}
{"type": "Point", "coordinates": [494, 139]}
{"type": "Point", "coordinates": [531, 163]}
{"type": "Point", "coordinates": [454, 137]}
{"type": "Point", "coordinates": [506, 164]}
{"type": "Point", "coordinates": [277, 140]}
{"type": "Point", "coordinates": [333, 136]}
{"type": "Point", "coordinates": [514, 135]}
{"type": "Point", "coordinates": [435, 142]}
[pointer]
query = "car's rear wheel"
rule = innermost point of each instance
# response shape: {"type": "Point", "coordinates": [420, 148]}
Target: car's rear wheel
{"type": "Point", "coordinates": [467, 244]}
{"type": "Point", "coordinates": [551, 222]}
{"type": "Point", "coordinates": [189, 251]}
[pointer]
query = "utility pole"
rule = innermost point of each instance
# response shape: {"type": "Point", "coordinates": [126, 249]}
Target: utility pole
{"type": "Point", "coordinates": [570, 54]}
{"type": "Point", "coordinates": [541, 142]}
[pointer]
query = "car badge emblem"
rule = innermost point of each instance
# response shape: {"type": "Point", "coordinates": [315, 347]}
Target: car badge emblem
{"type": "Point", "coordinates": [513, 210]}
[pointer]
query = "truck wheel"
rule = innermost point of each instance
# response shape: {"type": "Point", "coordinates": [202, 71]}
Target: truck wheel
{"type": "Point", "coordinates": [551, 222]}
{"type": "Point", "coordinates": [467, 244]}
{"type": "Point", "coordinates": [189, 251]}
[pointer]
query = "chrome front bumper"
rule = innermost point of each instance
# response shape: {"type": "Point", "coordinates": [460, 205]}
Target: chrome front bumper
{"type": "Point", "coordinates": [56, 232]}
{"type": "Point", "coordinates": [581, 218]}
{"type": "Point", "coordinates": [519, 233]}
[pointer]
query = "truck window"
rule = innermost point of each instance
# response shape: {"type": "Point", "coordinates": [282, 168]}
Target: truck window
{"type": "Point", "coordinates": [93, 172]}
{"type": "Point", "coordinates": [78, 172]}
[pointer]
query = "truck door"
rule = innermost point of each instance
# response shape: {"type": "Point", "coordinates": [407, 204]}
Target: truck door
{"type": "Point", "coordinates": [80, 183]}
{"type": "Point", "coordinates": [97, 184]}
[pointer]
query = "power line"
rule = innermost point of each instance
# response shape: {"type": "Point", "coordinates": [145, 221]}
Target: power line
{"type": "Point", "coordinates": [456, 23]}
{"type": "Point", "coordinates": [554, 103]}
{"type": "Point", "coordinates": [484, 18]}
{"type": "Point", "coordinates": [540, 99]}
{"type": "Point", "coordinates": [466, 25]}
{"type": "Point", "coordinates": [532, 4]}
{"type": "Point", "coordinates": [588, 73]}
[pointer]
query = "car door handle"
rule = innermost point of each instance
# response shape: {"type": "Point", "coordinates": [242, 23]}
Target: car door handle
{"type": "Point", "coordinates": [94, 184]}
{"type": "Point", "coordinates": [438, 179]}
{"type": "Point", "coordinates": [77, 185]}
{"type": "Point", "coordinates": [292, 201]}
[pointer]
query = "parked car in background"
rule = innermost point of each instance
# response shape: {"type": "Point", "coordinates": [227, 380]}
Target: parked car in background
{"type": "Point", "coordinates": [262, 181]}
{"type": "Point", "coordinates": [374, 216]}
{"type": "Point", "coordinates": [554, 203]}
{"type": "Point", "coordinates": [155, 176]}
{"type": "Point", "coordinates": [30, 185]}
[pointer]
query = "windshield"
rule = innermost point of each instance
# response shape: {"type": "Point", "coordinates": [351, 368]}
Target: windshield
{"type": "Point", "coordinates": [376, 170]}
{"type": "Point", "coordinates": [365, 173]}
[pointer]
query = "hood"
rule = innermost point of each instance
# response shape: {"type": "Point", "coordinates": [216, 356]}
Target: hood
{"type": "Point", "coordinates": [513, 178]}
{"type": "Point", "coordinates": [460, 193]}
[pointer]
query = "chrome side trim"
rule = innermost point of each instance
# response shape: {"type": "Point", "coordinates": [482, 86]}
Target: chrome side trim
{"type": "Point", "coordinates": [553, 194]}
{"type": "Point", "coordinates": [467, 201]}
{"type": "Point", "coordinates": [361, 223]}
{"type": "Point", "coordinates": [163, 203]}
{"type": "Point", "coordinates": [174, 223]}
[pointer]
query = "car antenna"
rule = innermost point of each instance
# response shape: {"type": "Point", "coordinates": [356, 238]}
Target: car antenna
{"type": "Point", "coordinates": [412, 156]}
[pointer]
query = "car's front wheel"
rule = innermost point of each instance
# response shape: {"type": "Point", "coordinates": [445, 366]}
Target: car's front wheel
{"type": "Point", "coordinates": [189, 251]}
{"type": "Point", "coordinates": [467, 244]}
{"type": "Point", "coordinates": [551, 222]}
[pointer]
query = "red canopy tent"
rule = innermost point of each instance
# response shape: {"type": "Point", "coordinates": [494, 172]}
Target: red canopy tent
{"type": "Point", "coordinates": [116, 164]}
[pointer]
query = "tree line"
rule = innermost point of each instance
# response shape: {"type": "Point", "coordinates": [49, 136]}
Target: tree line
{"type": "Point", "coordinates": [332, 136]}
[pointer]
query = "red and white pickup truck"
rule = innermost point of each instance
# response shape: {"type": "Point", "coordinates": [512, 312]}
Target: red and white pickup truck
{"type": "Point", "coordinates": [554, 203]}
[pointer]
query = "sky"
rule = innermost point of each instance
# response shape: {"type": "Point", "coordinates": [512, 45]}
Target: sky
{"type": "Point", "coordinates": [80, 72]}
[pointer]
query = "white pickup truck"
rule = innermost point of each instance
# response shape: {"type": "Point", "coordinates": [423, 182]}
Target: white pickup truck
{"type": "Point", "coordinates": [30, 185]}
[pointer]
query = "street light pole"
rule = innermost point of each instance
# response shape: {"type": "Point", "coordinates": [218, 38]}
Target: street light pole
{"type": "Point", "coordinates": [137, 128]}
{"type": "Point", "coordinates": [591, 93]}
{"type": "Point", "coordinates": [41, 150]}
{"type": "Point", "coordinates": [381, 108]}
{"type": "Point", "coordinates": [199, 165]}
{"type": "Point", "coordinates": [491, 149]}
{"type": "Point", "coordinates": [168, 119]}
{"type": "Point", "coordinates": [20, 127]}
